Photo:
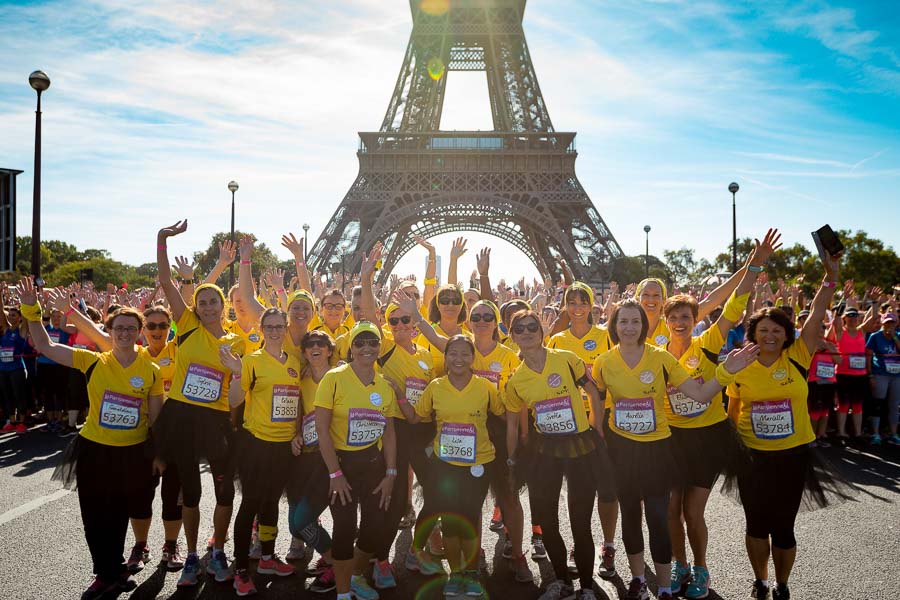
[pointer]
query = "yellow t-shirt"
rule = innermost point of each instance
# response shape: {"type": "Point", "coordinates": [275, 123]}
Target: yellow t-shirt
{"type": "Point", "coordinates": [253, 340]}
{"type": "Point", "coordinates": [321, 326]}
{"type": "Point", "coordinates": [118, 414]}
{"type": "Point", "coordinates": [552, 395]}
{"type": "Point", "coordinates": [200, 378]}
{"type": "Point", "coordinates": [638, 396]}
{"type": "Point", "coordinates": [409, 372]}
{"type": "Point", "coordinates": [359, 411]}
{"type": "Point", "coordinates": [461, 416]}
{"type": "Point", "coordinates": [165, 360]}
{"type": "Point", "coordinates": [437, 355]}
{"type": "Point", "coordinates": [773, 410]}
{"type": "Point", "coordinates": [660, 336]}
{"type": "Point", "coordinates": [308, 387]}
{"type": "Point", "coordinates": [497, 366]}
{"type": "Point", "coordinates": [272, 396]}
{"type": "Point", "coordinates": [594, 343]}
{"type": "Point", "coordinates": [341, 348]}
{"type": "Point", "coordinates": [700, 361]}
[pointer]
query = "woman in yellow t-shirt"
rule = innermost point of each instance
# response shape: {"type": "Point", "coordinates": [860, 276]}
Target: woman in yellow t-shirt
{"type": "Point", "coordinates": [355, 407]}
{"type": "Point", "coordinates": [195, 421]}
{"type": "Point", "coordinates": [108, 460]}
{"type": "Point", "coordinates": [704, 441]}
{"type": "Point", "coordinates": [462, 456]}
{"type": "Point", "coordinates": [768, 402]}
{"type": "Point", "coordinates": [447, 315]}
{"type": "Point", "coordinates": [562, 445]}
{"type": "Point", "coordinates": [268, 382]}
{"type": "Point", "coordinates": [635, 374]}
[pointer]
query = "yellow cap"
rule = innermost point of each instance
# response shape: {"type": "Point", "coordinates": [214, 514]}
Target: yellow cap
{"type": "Point", "coordinates": [208, 286]}
{"type": "Point", "coordinates": [364, 327]}
{"type": "Point", "coordinates": [301, 295]}
{"type": "Point", "coordinates": [640, 287]}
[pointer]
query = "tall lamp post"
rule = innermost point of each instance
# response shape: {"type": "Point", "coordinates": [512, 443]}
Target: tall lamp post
{"type": "Point", "coordinates": [647, 251]}
{"type": "Point", "coordinates": [39, 82]}
{"type": "Point", "coordinates": [305, 242]}
{"type": "Point", "coordinates": [733, 188]}
{"type": "Point", "coordinates": [232, 187]}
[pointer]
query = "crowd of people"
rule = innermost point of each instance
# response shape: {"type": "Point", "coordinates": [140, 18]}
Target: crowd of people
{"type": "Point", "coordinates": [339, 399]}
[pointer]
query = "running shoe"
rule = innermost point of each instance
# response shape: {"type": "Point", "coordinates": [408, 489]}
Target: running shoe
{"type": "Point", "coordinates": [243, 585]}
{"type": "Point", "coordinates": [637, 590]}
{"type": "Point", "coordinates": [781, 592]}
{"type": "Point", "coordinates": [172, 557]}
{"type": "Point", "coordinates": [558, 590]}
{"type": "Point", "coordinates": [607, 567]}
{"type": "Point", "coordinates": [189, 573]}
{"type": "Point", "coordinates": [586, 594]}
{"type": "Point", "coordinates": [875, 440]}
{"type": "Point", "coordinates": [423, 563]}
{"type": "Point", "coordinates": [67, 431]}
{"type": "Point", "coordinates": [21, 428]}
{"type": "Point", "coordinates": [894, 439]}
{"type": "Point", "coordinates": [274, 566]}
{"type": "Point", "coordinates": [842, 441]}
{"type": "Point", "coordinates": [665, 596]}
{"type": "Point", "coordinates": [297, 550]}
{"type": "Point", "coordinates": [759, 591]}
{"type": "Point", "coordinates": [455, 587]}
{"type": "Point", "coordinates": [538, 552]}
{"type": "Point", "coordinates": [318, 568]}
{"type": "Point", "coordinates": [521, 569]}
{"type": "Point", "coordinates": [324, 581]}
{"type": "Point", "coordinates": [255, 552]}
{"type": "Point", "coordinates": [361, 589]}
{"type": "Point", "coordinates": [681, 575]}
{"type": "Point", "coordinates": [126, 583]}
{"type": "Point", "coordinates": [383, 575]}
{"type": "Point", "coordinates": [699, 586]}
{"type": "Point", "coordinates": [140, 556]}
{"type": "Point", "coordinates": [472, 586]}
{"type": "Point", "coordinates": [98, 589]}
{"type": "Point", "coordinates": [823, 443]}
{"type": "Point", "coordinates": [10, 427]}
{"type": "Point", "coordinates": [409, 519]}
{"type": "Point", "coordinates": [507, 550]}
{"type": "Point", "coordinates": [496, 521]}
{"type": "Point", "coordinates": [218, 566]}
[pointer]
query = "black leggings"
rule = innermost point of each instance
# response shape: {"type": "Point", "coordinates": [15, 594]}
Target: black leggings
{"type": "Point", "coordinates": [657, 509]}
{"type": "Point", "coordinates": [544, 494]}
{"type": "Point", "coordinates": [222, 470]}
{"type": "Point", "coordinates": [307, 492]}
{"type": "Point", "coordinates": [14, 391]}
{"type": "Point", "coordinates": [771, 491]}
{"type": "Point", "coordinates": [457, 496]}
{"type": "Point", "coordinates": [364, 470]}
{"type": "Point", "coordinates": [171, 494]}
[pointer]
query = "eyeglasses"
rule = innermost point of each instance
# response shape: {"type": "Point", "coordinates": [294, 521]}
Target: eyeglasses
{"type": "Point", "coordinates": [273, 327]}
{"type": "Point", "coordinates": [370, 342]}
{"type": "Point", "coordinates": [121, 329]}
{"type": "Point", "coordinates": [155, 326]}
{"type": "Point", "coordinates": [455, 300]}
{"type": "Point", "coordinates": [531, 327]}
{"type": "Point", "coordinates": [486, 317]}
{"type": "Point", "coordinates": [321, 343]}
{"type": "Point", "coordinates": [45, 319]}
{"type": "Point", "coordinates": [394, 321]}
{"type": "Point", "coordinates": [334, 306]}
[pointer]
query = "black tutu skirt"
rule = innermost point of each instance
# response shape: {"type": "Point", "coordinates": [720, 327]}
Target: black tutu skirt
{"type": "Point", "coordinates": [185, 433]}
{"type": "Point", "coordinates": [703, 453]}
{"type": "Point", "coordinates": [542, 454]}
{"type": "Point", "coordinates": [263, 467]}
{"type": "Point", "coordinates": [642, 469]}
{"type": "Point", "coordinates": [128, 465]}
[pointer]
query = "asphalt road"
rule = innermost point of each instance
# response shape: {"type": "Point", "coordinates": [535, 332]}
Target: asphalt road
{"type": "Point", "coordinates": [848, 551]}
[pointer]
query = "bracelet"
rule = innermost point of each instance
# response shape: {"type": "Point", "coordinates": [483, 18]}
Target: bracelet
{"type": "Point", "coordinates": [510, 462]}
{"type": "Point", "coordinates": [336, 474]}
{"type": "Point", "coordinates": [390, 472]}
{"type": "Point", "coordinates": [235, 377]}
{"type": "Point", "coordinates": [402, 400]}
{"type": "Point", "coordinates": [755, 268]}
{"type": "Point", "coordinates": [161, 247]}
{"type": "Point", "coordinates": [245, 262]}
{"type": "Point", "coordinates": [432, 281]}
{"type": "Point", "coordinates": [188, 281]}
{"type": "Point", "coordinates": [69, 312]}
{"type": "Point", "coordinates": [829, 284]}
{"type": "Point", "coordinates": [281, 291]}
{"type": "Point", "coordinates": [723, 376]}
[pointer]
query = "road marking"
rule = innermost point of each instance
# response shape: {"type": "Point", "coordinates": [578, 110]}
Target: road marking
{"type": "Point", "coordinates": [30, 506]}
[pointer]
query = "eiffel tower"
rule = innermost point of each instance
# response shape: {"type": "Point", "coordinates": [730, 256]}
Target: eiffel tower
{"type": "Point", "coordinates": [516, 182]}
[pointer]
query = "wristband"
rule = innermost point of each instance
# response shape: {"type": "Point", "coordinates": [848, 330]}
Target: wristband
{"type": "Point", "coordinates": [723, 376]}
{"type": "Point", "coordinates": [336, 474]}
{"type": "Point", "coordinates": [188, 281]}
{"type": "Point", "coordinates": [735, 306]}
{"type": "Point", "coordinates": [755, 268]}
{"type": "Point", "coordinates": [432, 281]}
{"type": "Point", "coordinates": [245, 262]}
{"type": "Point", "coordinates": [402, 400]}
{"type": "Point", "coordinates": [69, 312]}
{"type": "Point", "coordinates": [281, 291]}
{"type": "Point", "coordinates": [390, 472]}
{"type": "Point", "coordinates": [31, 312]}
{"type": "Point", "coordinates": [235, 377]}
{"type": "Point", "coordinates": [829, 284]}
{"type": "Point", "coordinates": [161, 247]}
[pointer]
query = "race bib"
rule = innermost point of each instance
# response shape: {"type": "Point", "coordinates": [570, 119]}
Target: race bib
{"type": "Point", "coordinates": [635, 415]}
{"type": "Point", "coordinates": [364, 426]}
{"type": "Point", "coordinates": [457, 442]}
{"type": "Point", "coordinates": [892, 366]}
{"type": "Point", "coordinates": [285, 403]}
{"type": "Point", "coordinates": [490, 376]}
{"type": "Point", "coordinates": [683, 405]}
{"type": "Point", "coordinates": [824, 370]}
{"type": "Point", "coordinates": [202, 383]}
{"type": "Point", "coordinates": [7, 354]}
{"type": "Point", "coordinates": [857, 362]}
{"type": "Point", "coordinates": [555, 416]}
{"type": "Point", "coordinates": [772, 419]}
{"type": "Point", "coordinates": [310, 437]}
{"type": "Point", "coordinates": [118, 411]}
{"type": "Point", "coordinates": [54, 337]}
{"type": "Point", "coordinates": [414, 389]}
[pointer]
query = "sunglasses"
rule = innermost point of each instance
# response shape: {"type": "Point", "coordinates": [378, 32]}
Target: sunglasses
{"type": "Point", "coordinates": [455, 300]}
{"type": "Point", "coordinates": [487, 318]}
{"type": "Point", "coordinates": [321, 343]}
{"type": "Point", "coordinates": [405, 319]}
{"type": "Point", "coordinates": [531, 327]}
{"type": "Point", "coordinates": [155, 326]}
{"type": "Point", "coordinates": [370, 342]}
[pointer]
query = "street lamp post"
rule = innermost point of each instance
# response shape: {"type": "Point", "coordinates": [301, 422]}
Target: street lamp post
{"type": "Point", "coordinates": [733, 188]}
{"type": "Point", "coordinates": [305, 242]}
{"type": "Point", "coordinates": [232, 187]}
{"type": "Point", "coordinates": [647, 251]}
{"type": "Point", "coordinates": [39, 82]}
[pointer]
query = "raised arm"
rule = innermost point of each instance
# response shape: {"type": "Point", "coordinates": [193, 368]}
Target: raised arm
{"type": "Point", "coordinates": [719, 295]}
{"type": "Point", "coordinates": [456, 251]}
{"type": "Point", "coordinates": [367, 274]}
{"type": "Point", "coordinates": [245, 283]}
{"type": "Point", "coordinates": [758, 257]}
{"type": "Point", "coordinates": [812, 328]}
{"type": "Point", "coordinates": [227, 250]}
{"type": "Point", "coordinates": [40, 339]}
{"type": "Point", "coordinates": [295, 246]}
{"type": "Point", "coordinates": [483, 262]}
{"type": "Point", "coordinates": [176, 302]}
{"type": "Point", "coordinates": [409, 305]}
{"type": "Point", "coordinates": [59, 300]}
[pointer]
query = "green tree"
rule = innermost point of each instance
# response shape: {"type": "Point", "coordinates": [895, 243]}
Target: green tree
{"type": "Point", "coordinates": [632, 269]}
{"type": "Point", "coordinates": [263, 259]}
{"type": "Point", "coordinates": [105, 270]}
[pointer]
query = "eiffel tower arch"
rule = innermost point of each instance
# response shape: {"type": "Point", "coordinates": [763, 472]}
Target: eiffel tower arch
{"type": "Point", "coordinates": [516, 182]}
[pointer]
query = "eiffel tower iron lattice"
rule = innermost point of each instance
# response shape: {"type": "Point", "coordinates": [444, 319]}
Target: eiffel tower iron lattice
{"type": "Point", "coordinates": [516, 182]}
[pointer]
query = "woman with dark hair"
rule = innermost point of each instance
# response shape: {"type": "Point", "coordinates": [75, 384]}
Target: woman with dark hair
{"type": "Point", "coordinates": [13, 376]}
{"type": "Point", "coordinates": [636, 375]}
{"type": "Point", "coordinates": [447, 314]}
{"type": "Point", "coordinates": [768, 402]}
{"type": "Point", "coordinates": [882, 350]}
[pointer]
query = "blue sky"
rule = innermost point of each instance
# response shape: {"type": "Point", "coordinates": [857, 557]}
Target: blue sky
{"type": "Point", "coordinates": [155, 106]}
